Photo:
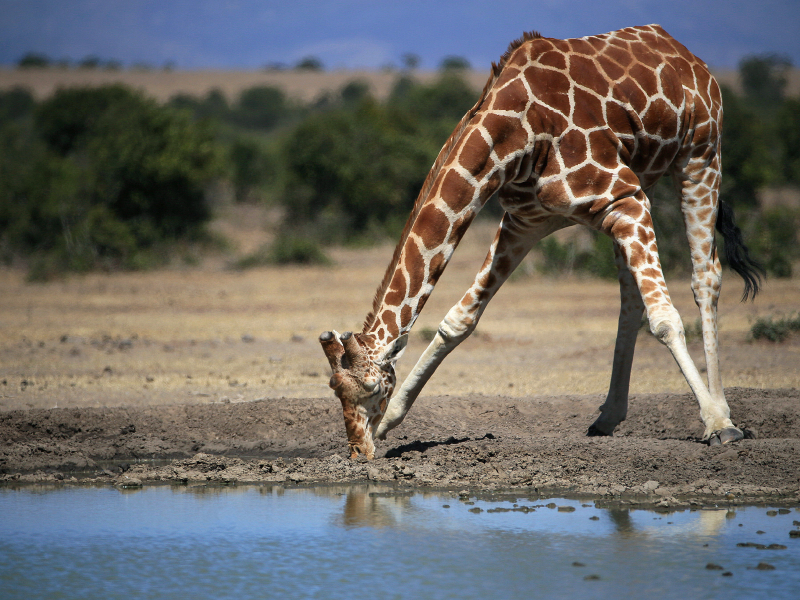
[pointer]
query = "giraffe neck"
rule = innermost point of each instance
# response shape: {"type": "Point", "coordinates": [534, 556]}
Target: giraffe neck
{"type": "Point", "coordinates": [425, 252]}
{"type": "Point", "coordinates": [465, 174]}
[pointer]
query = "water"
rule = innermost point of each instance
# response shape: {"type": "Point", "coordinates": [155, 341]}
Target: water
{"type": "Point", "coordinates": [343, 542]}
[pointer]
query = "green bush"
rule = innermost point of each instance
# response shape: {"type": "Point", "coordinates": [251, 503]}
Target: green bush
{"type": "Point", "coordinates": [287, 249]}
{"type": "Point", "coordinates": [597, 261]}
{"type": "Point", "coordinates": [354, 169]}
{"type": "Point", "coordinates": [775, 329]}
{"type": "Point", "coordinates": [103, 177]}
{"type": "Point", "coordinates": [772, 235]}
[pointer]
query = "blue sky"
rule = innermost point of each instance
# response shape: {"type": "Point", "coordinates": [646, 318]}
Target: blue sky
{"type": "Point", "coordinates": [248, 34]}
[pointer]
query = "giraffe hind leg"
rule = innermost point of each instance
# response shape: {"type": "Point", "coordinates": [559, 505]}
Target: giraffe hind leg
{"type": "Point", "coordinates": [631, 227]}
{"type": "Point", "coordinates": [699, 189]}
{"type": "Point", "coordinates": [615, 408]}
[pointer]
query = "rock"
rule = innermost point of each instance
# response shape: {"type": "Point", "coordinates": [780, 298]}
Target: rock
{"type": "Point", "coordinates": [714, 567]}
{"type": "Point", "coordinates": [650, 486]}
{"type": "Point", "coordinates": [762, 566]}
{"type": "Point", "coordinates": [126, 482]}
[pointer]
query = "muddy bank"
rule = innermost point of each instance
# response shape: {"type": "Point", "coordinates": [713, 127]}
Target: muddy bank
{"type": "Point", "coordinates": [478, 442]}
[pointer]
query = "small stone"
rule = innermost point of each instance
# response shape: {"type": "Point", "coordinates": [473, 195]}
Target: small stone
{"type": "Point", "coordinates": [783, 511]}
{"type": "Point", "coordinates": [578, 564]}
{"type": "Point", "coordinates": [714, 567]}
{"type": "Point", "coordinates": [551, 505]}
{"type": "Point", "coordinates": [759, 532]}
{"type": "Point", "coordinates": [772, 513]}
{"type": "Point", "coordinates": [129, 483]}
{"type": "Point", "coordinates": [776, 547]}
{"type": "Point", "coordinates": [650, 486]}
{"type": "Point", "coordinates": [566, 509]}
{"type": "Point", "coordinates": [762, 566]}
{"type": "Point", "coordinates": [476, 510]}
{"type": "Point", "coordinates": [794, 533]}
{"type": "Point", "coordinates": [727, 574]}
{"type": "Point", "coordinates": [592, 578]}
{"type": "Point", "coordinates": [594, 518]}
{"type": "Point", "coordinates": [248, 339]}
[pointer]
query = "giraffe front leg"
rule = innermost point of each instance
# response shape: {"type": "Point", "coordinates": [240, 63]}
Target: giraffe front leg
{"type": "Point", "coordinates": [615, 408]}
{"type": "Point", "coordinates": [631, 227]}
{"type": "Point", "coordinates": [511, 244]}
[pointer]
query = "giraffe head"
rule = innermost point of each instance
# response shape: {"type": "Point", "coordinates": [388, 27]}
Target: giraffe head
{"type": "Point", "coordinates": [363, 379]}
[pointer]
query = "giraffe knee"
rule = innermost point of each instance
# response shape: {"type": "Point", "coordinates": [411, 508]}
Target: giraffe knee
{"type": "Point", "coordinates": [455, 331]}
{"type": "Point", "coordinates": [667, 330]}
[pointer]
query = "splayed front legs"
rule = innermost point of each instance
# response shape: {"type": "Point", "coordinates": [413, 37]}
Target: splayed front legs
{"type": "Point", "coordinates": [513, 241]}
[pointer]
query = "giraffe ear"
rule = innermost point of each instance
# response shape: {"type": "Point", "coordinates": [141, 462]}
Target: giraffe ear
{"type": "Point", "coordinates": [394, 351]}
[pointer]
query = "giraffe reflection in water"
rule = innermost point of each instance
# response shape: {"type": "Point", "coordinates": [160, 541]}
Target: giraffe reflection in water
{"type": "Point", "coordinates": [379, 507]}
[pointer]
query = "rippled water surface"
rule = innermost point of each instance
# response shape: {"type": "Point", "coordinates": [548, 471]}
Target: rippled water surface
{"type": "Point", "coordinates": [360, 542]}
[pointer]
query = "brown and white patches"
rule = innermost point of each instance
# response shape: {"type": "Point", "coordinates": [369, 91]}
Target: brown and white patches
{"type": "Point", "coordinates": [570, 131]}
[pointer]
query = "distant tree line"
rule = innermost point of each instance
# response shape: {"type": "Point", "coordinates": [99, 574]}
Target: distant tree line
{"type": "Point", "coordinates": [107, 178]}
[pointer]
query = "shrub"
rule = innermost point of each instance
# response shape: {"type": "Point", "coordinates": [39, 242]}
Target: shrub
{"type": "Point", "coordinates": [775, 329]}
{"type": "Point", "coordinates": [287, 249]}
{"type": "Point", "coordinates": [598, 261]}
{"type": "Point", "coordinates": [358, 170]}
{"type": "Point", "coordinates": [101, 179]}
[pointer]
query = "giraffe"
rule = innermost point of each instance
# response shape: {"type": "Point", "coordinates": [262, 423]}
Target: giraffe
{"type": "Point", "coordinates": [566, 132]}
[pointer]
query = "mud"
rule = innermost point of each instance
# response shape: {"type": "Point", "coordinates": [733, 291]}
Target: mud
{"type": "Point", "coordinates": [475, 442]}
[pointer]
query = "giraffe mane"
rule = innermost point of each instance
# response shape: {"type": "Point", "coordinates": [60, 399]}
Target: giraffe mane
{"type": "Point", "coordinates": [444, 153]}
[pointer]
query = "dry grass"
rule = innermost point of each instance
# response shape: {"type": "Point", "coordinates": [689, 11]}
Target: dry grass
{"type": "Point", "coordinates": [305, 86]}
{"type": "Point", "coordinates": [209, 334]}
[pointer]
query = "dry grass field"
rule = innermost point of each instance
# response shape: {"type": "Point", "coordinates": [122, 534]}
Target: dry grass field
{"type": "Point", "coordinates": [209, 334]}
{"type": "Point", "coordinates": [303, 86]}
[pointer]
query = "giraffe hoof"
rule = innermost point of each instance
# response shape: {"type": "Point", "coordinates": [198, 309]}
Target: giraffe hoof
{"type": "Point", "coordinates": [730, 434]}
{"type": "Point", "coordinates": [594, 431]}
{"type": "Point", "coordinates": [725, 436]}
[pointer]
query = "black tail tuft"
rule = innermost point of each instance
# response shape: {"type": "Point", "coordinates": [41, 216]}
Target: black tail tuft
{"type": "Point", "coordinates": [737, 254]}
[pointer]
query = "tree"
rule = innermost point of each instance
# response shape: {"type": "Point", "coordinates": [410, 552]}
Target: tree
{"type": "Point", "coordinates": [764, 78]}
{"type": "Point", "coordinates": [104, 177]}
{"type": "Point", "coordinates": [788, 123]}
{"type": "Point", "coordinates": [261, 107]}
{"type": "Point", "coordinates": [454, 63]}
{"type": "Point", "coordinates": [355, 170]}
{"type": "Point", "coordinates": [309, 63]}
{"type": "Point", "coordinates": [33, 60]}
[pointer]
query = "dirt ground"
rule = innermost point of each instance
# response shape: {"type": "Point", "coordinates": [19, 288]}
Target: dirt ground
{"type": "Point", "coordinates": [105, 377]}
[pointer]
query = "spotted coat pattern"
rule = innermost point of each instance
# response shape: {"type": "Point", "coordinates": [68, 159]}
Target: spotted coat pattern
{"type": "Point", "coordinates": [570, 132]}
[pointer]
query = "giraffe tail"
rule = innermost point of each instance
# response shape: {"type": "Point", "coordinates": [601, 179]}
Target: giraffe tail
{"type": "Point", "coordinates": [737, 254]}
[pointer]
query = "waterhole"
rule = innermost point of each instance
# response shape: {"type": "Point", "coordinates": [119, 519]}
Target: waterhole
{"type": "Point", "coordinates": [361, 541]}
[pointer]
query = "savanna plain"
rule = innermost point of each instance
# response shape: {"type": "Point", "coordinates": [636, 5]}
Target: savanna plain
{"type": "Point", "coordinates": [207, 374]}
